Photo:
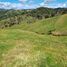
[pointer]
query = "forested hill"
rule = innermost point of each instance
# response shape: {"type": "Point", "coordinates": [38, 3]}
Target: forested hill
{"type": "Point", "coordinates": [11, 17]}
{"type": "Point", "coordinates": [39, 13]}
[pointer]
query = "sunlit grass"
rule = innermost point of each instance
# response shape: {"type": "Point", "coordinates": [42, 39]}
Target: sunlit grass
{"type": "Point", "coordinates": [24, 45]}
{"type": "Point", "coordinates": [32, 50]}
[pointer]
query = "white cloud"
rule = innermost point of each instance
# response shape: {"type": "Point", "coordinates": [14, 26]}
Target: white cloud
{"type": "Point", "coordinates": [23, 0]}
{"type": "Point", "coordinates": [30, 4]}
{"type": "Point", "coordinates": [62, 5]}
{"type": "Point", "coordinates": [46, 2]}
{"type": "Point", "coordinates": [49, 1]}
{"type": "Point", "coordinates": [52, 4]}
{"type": "Point", "coordinates": [8, 5]}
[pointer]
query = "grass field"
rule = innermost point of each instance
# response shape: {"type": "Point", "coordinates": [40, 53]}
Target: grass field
{"type": "Point", "coordinates": [58, 23]}
{"type": "Point", "coordinates": [21, 46]}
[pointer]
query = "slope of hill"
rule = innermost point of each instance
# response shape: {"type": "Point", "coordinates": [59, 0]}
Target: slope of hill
{"type": "Point", "coordinates": [61, 23]}
{"type": "Point", "coordinates": [11, 17]}
{"type": "Point", "coordinates": [20, 48]}
{"type": "Point", "coordinates": [29, 44]}
{"type": "Point", "coordinates": [45, 26]}
{"type": "Point", "coordinates": [39, 13]}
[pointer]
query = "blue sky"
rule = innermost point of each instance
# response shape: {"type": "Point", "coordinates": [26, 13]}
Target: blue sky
{"type": "Point", "coordinates": [30, 4]}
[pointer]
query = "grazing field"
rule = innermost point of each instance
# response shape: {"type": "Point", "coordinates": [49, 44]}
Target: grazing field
{"type": "Point", "coordinates": [30, 45]}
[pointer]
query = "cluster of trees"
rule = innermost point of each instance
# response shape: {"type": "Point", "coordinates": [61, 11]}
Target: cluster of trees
{"type": "Point", "coordinates": [11, 17]}
{"type": "Point", "coordinates": [16, 20]}
{"type": "Point", "coordinates": [10, 21]}
{"type": "Point", "coordinates": [38, 13]}
{"type": "Point", "coordinates": [47, 12]}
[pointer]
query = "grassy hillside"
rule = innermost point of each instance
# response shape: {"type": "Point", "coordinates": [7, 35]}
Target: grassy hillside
{"type": "Point", "coordinates": [44, 26]}
{"type": "Point", "coordinates": [28, 45]}
{"type": "Point", "coordinates": [20, 48]}
{"type": "Point", "coordinates": [61, 23]}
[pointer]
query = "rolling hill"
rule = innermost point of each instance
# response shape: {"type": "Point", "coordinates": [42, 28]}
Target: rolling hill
{"type": "Point", "coordinates": [33, 44]}
{"type": "Point", "coordinates": [11, 17]}
{"type": "Point", "coordinates": [45, 26]}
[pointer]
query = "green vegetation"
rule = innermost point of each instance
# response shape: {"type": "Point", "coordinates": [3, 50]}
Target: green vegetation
{"type": "Point", "coordinates": [32, 50]}
{"type": "Point", "coordinates": [26, 41]}
{"type": "Point", "coordinates": [45, 26]}
{"type": "Point", "coordinates": [11, 17]}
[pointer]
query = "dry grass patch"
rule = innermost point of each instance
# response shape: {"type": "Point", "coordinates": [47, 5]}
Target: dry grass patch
{"type": "Point", "coordinates": [59, 33]}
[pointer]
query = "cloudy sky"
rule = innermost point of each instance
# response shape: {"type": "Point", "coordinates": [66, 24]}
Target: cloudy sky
{"type": "Point", "coordinates": [30, 4]}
